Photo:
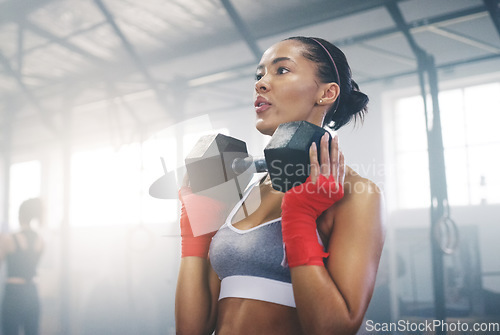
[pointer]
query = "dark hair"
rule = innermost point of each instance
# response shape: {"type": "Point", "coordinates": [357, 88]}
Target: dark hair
{"type": "Point", "coordinates": [352, 103]}
{"type": "Point", "coordinates": [30, 209]}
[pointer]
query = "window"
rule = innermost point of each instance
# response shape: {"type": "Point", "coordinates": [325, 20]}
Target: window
{"type": "Point", "coordinates": [471, 141]}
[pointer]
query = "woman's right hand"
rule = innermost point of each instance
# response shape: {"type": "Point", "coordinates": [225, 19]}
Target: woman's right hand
{"type": "Point", "coordinates": [201, 217]}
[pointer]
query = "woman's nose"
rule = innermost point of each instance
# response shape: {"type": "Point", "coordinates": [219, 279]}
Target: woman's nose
{"type": "Point", "coordinates": [261, 85]}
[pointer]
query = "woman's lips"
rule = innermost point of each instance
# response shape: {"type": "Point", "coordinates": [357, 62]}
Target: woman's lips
{"type": "Point", "coordinates": [261, 104]}
{"type": "Point", "coordinates": [262, 108]}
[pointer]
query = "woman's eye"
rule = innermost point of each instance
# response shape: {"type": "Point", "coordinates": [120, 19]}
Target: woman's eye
{"type": "Point", "coordinates": [258, 76]}
{"type": "Point", "coordinates": [282, 70]}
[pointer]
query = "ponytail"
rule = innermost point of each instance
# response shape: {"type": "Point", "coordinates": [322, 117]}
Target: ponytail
{"type": "Point", "coordinates": [353, 105]}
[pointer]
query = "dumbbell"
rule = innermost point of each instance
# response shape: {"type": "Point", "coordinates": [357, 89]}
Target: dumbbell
{"type": "Point", "coordinates": [286, 156]}
{"type": "Point", "coordinates": [217, 158]}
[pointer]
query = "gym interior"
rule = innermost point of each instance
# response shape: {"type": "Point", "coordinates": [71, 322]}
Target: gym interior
{"type": "Point", "coordinates": [100, 98]}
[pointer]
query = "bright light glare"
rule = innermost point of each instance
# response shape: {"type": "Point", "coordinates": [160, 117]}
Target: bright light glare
{"type": "Point", "coordinates": [108, 188]}
{"type": "Point", "coordinates": [410, 125]}
{"type": "Point", "coordinates": [483, 117]}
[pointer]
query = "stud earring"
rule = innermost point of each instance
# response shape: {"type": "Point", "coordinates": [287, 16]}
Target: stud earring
{"type": "Point", "coordinates": [320, 101]}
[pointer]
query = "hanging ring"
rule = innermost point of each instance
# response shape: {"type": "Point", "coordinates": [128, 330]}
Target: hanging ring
{"type": "Point", "coordinates": [445, 234]}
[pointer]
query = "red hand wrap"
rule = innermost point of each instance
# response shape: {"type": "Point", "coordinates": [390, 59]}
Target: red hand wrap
{"type": "Point", "coordinates": [300, 208]}
{"type": "Point", "coordinates": [201, 215]}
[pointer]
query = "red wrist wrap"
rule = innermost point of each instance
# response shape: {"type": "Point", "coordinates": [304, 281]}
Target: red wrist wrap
{"type": "Point", "coordinates": [300, 208]}
{"type": "Point", "coordinates": [200, 218]}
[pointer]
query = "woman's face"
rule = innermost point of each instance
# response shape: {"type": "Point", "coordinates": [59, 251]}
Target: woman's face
{"type": "Point", "coordinates": [287, 88]}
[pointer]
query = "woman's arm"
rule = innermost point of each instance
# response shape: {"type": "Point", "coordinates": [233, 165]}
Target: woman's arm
{"type": "Point", "coordinates": [198, 285]}
{"type": "Point", "coordinates": [196, 297]}
{"type": "Point", "coordinates": [2, 248]}
{"type": "Point", "coordinates": [334, 299]}
{"type": "Point", "coordinates": [6, 245]}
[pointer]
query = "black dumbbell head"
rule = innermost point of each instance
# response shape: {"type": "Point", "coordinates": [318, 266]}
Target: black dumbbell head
{"type": "Point", "coordinates": [287, 154]}
{"type": "Point", "coordinates": [210, 161]}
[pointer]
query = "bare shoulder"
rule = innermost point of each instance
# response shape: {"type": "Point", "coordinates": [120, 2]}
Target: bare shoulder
{"type": "Point", "coordinates": [6, 244]}
{"type": "Point", "coordinates": [361, 207]}
{"type": "Point", "coordinates": [359, 189]}
{"type": "Point", "coordinates": [7, 238]}
{"type": "Point", "coordinates": [359, 217]}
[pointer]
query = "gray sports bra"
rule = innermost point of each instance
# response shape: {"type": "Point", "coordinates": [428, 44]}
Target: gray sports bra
{"type": "Point", "coordinates": [249, 262]}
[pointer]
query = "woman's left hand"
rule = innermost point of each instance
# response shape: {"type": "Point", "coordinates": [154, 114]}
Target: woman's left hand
{"type": "Point", "coordinates": [332, 161]}
{"type": "Point", "coordinates": [304, 203]}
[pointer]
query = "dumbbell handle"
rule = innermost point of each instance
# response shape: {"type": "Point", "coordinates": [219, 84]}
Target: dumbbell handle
{"type": "Point", "coordinates": [240, 165]}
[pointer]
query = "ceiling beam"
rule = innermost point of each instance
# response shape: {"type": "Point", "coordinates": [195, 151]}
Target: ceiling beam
{"type": "Point", "coordinates": [46, 119]}
{"type": "Point", "coordinates": [413, 26]}
{"type": "Point", "coordinates": [416, 25]}
{"type": "Point", "coordinates": [311, 13]}
{"type": "Point", "coordinates": [242, 28]}
{"type": "Point", "coordinates": [18, 10]}
{"type": "Point", "coordinates": [443, 67]}
{"type": "Point", "coordinates": [66, 37]}
{"type": "Point", "coordinates": [62, 42]}
{"type": "Point", "coordinates": [113, 71]}
{"type": "Point", "coordinates": [143, 69]}
{"type": "Point", "coordinates": [403, 27]}
{"type": "Point", "coordinates": [388, 54]}
{"type": "Point", "coordinates": [464, 39]}
{"type": "Point", "coordinates": [493, 7]}
{"type": "Point", "coordinates": [20, 47]}
{"type": "Point", "coordinates": [228, 37]}
{"type": "Point", "coordinates": [268, 26]}
{"type": "Point", "coordinates": [224, 38]}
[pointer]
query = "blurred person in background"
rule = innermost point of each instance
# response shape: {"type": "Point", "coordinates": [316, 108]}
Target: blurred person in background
{"type": "Point", "coordinates": [21, 252]}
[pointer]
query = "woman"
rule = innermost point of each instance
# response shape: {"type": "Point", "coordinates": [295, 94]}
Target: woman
{"type": "Point", "coordinates": [22, 251]}
{"type": "Point", "coordinates": [331, 227]}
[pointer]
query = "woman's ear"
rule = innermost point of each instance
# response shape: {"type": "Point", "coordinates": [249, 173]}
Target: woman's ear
{"type": "Point", "coordinates": [330, 93]}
